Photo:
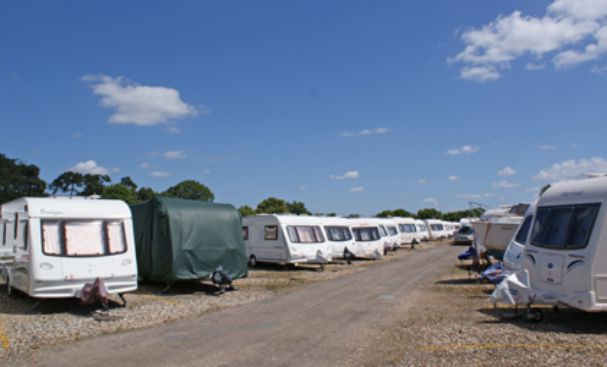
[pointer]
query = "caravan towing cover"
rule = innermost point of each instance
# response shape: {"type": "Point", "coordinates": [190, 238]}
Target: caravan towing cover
{"type": "Point", "coordinates": [179, 239]}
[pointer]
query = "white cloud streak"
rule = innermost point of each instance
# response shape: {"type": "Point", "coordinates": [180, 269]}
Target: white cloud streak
{"type": "Point", "coordinates": [357, 189]}
{"type": "Point", "coordinates": [365, 132]}
{"type": "Point", "coordinates": [466, 149]}
{"type": "Point", "coordinates": [90, 167]}
{"type": "Point", "coordinates": [507, 171]}
{"type": "Point", "coordinates": [350, 175]}
{"type": "Point", "coordinates": [159, 174]}
{"type": "Point", "coordinates": [453, 178]}
{"type": "Point", "coordinates": [505, 185]}
{"type": "Point", "coordinates": [572, 31]}
{"type": "Point", "coordinates": [572, 169]}
{"type": "Point", "coordinates": [140, 105]}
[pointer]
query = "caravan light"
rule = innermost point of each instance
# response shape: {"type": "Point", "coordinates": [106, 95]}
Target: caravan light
{"type": "Point", "coordinates": [126, 262]}
{"type": "Point", "coordinates": [46, 266]}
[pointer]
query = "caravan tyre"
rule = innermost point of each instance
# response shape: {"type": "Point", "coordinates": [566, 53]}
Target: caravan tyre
{"type": "Point", "coordinates": [252, 261]}
{"type": "Point", "coordinates": [535, 315]}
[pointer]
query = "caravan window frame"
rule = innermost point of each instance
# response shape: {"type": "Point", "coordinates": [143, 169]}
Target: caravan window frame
{"type": "Point", "coordinates": [266, 233]}
{"type": "Point", "coordinates": [244, 230]}
{"type": "Point", "coordinates": [63, 243]}
{"type": "Point", "coordinates": [295, 234]}
{"type": "Point", "coordinates": [543, 223]}
{"type": "Point", "coordinates": [374, 231]}
{"type": "Point", "coordinates": [329, 231]}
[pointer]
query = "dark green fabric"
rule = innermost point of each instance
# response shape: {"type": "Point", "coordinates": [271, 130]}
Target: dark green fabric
{"type": "Point", "coordinates": [179, 239]}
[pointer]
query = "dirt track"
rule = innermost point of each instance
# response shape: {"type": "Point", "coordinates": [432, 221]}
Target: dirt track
{"type": "Point", "coordinates": [338, 322]}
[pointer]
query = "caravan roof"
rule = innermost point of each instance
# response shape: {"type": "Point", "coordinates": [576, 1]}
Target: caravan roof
{"type": "Point", "coordinates": [60, 207]}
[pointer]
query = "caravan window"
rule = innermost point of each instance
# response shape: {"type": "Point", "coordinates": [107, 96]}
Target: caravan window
{"type": "Point", "coordinates": [245, 233]}
{"type": "Point", "coordinates": [366, 233]}
{"type": "Point", "coordinates": [271, 233]}
{"type": "Point", "coordinates": [437, 227]}
{"type": "Point", "coordinates": [564, 227]}
{"type": "Point", "coordinates": [25, 238]}
{"type": "Point", "coordinates": [305, 234]}
{"type": "Point", "coordinates": [407, 228]}
{"type": "Point", "coordinates": [4, 233]}
{"type": "Point", "coordinates": [83, 238]}
{"type": "Point", "coordinates": [392, 230]}
{"type": "Point", "coordinates": [338, 234]}
{"type": "Point", "coordinates": [521, 235]}
{"type": "Point", "coordinates": [382, 231]}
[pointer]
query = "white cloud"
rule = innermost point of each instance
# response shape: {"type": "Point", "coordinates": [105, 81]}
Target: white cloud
{"type": "Point", "coordinates": [480, 73]}
{"type": "Point", "coordinates": [365, 132]}
{"type": "Point", "coordinates": [159, 174]}
{"type": "Point", "coordinates": [535, 67]}
{"type": "Point", "coordinates": [422, 181]}
{"type": "Point", "coordinates": [170, 154]}
{"type": "Point", "coordinates": [90, 167]}
{"type": "Point", "coordinates": [505, 185]}
{"type": "Point", "coordinates": [507, 171]}
{"type": "Point", "coordinates": [350, 175]}
{"type": "Point", "coordinates": [599, 70]}
{"type": "Point", "coordinates": [173, 130]}
{"type": "Point", "coordinates": [545, 147]}
{"type": "Point", "coordinates": [206, 171]}
{"type": "Point", "coordinates": [466, 149]}
{"type": "Point", "coordinates": [138, 104]}
{"type": "Point", "coordinates": [432, 201]}
{"type": "Point", "coordinates": [572, 169]}
{"type": "Point", "coordinates": [145, 165]}
{"type": "Point", "coordinates": [453, 178]}
{"type": "Point", "coordinates": [357, 189]}
{"type": "Point", "coordinates": [302, 188]}
{"type": "Point", "coordinates": [574, 30]}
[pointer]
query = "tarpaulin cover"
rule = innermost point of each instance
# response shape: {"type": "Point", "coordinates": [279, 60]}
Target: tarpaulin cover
{"type": "Point", "coordinates": [179, 239]}
{"type": "Point", "coordinates": [513, 290]}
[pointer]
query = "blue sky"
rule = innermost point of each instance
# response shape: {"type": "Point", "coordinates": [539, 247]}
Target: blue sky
{"type": "Point", "coordinates": [349, 106]}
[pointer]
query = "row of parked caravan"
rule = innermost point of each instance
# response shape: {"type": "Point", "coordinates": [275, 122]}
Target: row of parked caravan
{"type": "Point", "coordinates": [557, 255]}
{"type": "Point", "coordinates": [53, 247]}
{"type": "Point", "coordinates": [291, 239]}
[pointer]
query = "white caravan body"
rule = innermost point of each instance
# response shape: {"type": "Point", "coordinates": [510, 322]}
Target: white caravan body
{"type": "Point", "coordinates": [437, 229]}
{"type": "Point", "coordinates": [422, 230]}
{"type": "Point", "coordinates": [513, 256]}
{"type": "Point", "coordinates": [392, 230]}
{"type": "Point", "coordinates": [367, 237]}
{"type": "Point", "coordinates": [52, 247]}
{"type": "Point", "coordinates": [341, 241]}
{"type": "Point", "coordinates": [409, 232]}
{"type": "Point", "coordinates": [566, 256]}
{"type": "Point", "coordinates": [285, 239]}
{"type": "Point", "coordinates": [496, 227]}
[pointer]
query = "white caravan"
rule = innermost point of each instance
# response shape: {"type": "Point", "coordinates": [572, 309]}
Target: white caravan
{"type": "Point", "coordinates": [437, 229]}
{"type": "Point", "coordinates": [393, 234]}
{"type": "Point", "coordinates": [52, 247]}
{"type": "Point", "coordinates": [567, 250]}
{"type": "Point", "coordinates": [496, 227]}
{"type": "Point", "coordinates": [409, 233]}
{"type": "Point", "coordinates": [422, 230]}
{"type": "Point", "coordinates": [285, 239]}
{"type": "Point", "coordinates": [339, 235]}
{"type": "Point", "coordinates": [366, 234]}
{"type": "Point", "coordinates": [513, 256]}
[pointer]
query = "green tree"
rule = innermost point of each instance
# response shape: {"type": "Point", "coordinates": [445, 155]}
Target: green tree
{"type": "Point", "coordinates": [190, 189]}
{"type": "Point", "coordinates": [129, 183]}
{"type": "Point", "coordinates": [297, 207]}
{"type": "Point", "coordinates": [354, 215]}
{"type": "Point", "coordinates": [429, 213]}
{"type": "Point", "coordinates": [68, 182]}
{"type": "Point", "coordinates": [384, 214]}
{"type": "Point", "coordinates": [402, 213]}
{"type": "Point", "coordinates": [120, 192]}
{"type": "Point", "coordinates": [19, 179]}
{"type": "Point", "coordinates": [272, 205]}
{"type": "Point", "coordinates": [246, 211]}
{"type": "Point", "coordinates": [145, 194]}
{"type": "Point", "coordinates": [94, 184]}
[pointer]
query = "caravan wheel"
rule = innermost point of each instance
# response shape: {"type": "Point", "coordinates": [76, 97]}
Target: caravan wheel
{"type": "Point", "coordinates": [535, 315]}
{"type": "Point", "coordinates": [252, 261]}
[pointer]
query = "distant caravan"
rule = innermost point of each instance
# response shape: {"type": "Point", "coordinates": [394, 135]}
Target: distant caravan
{"type": "Point", "coordinates": [422, 230]}
{"type": "Point", "coordinates": [341, 240]}
{"type": "Point", "coordinates": [285, 239]}
{"type": "Point", "coordinates": [410, 234]}
{"type": "Point", "coordinates": [437, 229]}
{"type": "Point", "coordinates": [367, 237]}
{"type": "Point", "coordinates": [52, 247]}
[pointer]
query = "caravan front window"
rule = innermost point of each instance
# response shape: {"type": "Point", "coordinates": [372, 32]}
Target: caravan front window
{"type": "Point", "coordinates": [366, 233]}
{"type": "Point", "coordinates": [305, 234]}
{"type": "Point", "coordinates": [392, 230]}
{"type": "Point", "coordinates": [407, 228]}
{"type": "Point", "coordinates": [338, 234]}
{"type": "Point", "coordinates": [382, 231]}
{"type": "Point", "coordinates": [564, 227]}
{"type": "Point", "coordinates": [75, 238]}
{"type": "Point", "coordinates": [437, 227]}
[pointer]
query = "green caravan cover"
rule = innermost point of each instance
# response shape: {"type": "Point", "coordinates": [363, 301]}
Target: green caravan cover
{"type": "Point", "coordinates": [179, 239]}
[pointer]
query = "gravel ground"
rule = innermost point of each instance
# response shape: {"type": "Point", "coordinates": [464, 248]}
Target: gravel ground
{"type": "Point", "coordinates": [454, 324]}
{"type": "Point", "coordinates": [27, 324]}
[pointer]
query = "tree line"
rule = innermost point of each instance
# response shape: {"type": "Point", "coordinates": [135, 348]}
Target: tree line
{"type": "Point", "coordinates": [18, 179]}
